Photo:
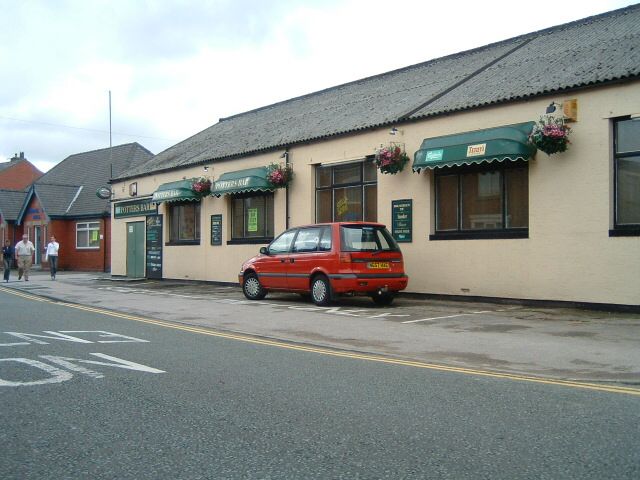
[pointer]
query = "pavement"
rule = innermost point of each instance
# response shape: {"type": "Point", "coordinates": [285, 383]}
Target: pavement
{"type": "Point", "coordinates": [557, 343]}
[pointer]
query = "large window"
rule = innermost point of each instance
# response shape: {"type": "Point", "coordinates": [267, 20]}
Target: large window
{"type": "Point", "coordinates": [627, 177]}
{"type": "Point", "coordinates": [489, 201]}
{"type": "Point", "coordinates": [252, 218]}
{"type": "Point", "coordinates": [347, 192]}
{"type": "Point", "coordinates": [184, 223]}
{"type": "Point", "coordinates": [88, 235]}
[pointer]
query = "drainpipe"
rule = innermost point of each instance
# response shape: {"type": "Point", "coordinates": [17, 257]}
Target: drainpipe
{"type": "Point", "coordinates": [286, 192]}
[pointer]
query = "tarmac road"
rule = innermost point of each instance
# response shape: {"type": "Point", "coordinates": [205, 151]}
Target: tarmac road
{"type": "Point", "coordinates": [569, 344]}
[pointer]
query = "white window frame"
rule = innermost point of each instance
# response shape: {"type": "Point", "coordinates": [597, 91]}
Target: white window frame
{"type": "Point", "coordinates": [86, 227]}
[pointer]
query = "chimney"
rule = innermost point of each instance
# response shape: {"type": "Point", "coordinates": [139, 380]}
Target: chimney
{"type": "Point", "coordinates": [15, 157]}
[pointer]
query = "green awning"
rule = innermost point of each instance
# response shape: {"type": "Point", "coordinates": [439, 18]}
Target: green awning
{"type": "Point", "coordinates": [510, 142]}
{"type": "Point", "coordinates": [240, 181]}
{"type": "Point", "coordinates": [175, 192]}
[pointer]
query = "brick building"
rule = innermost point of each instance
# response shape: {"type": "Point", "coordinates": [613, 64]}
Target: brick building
{"type": "Point", "coordinates": [63, 202]}
{"type": "Point", "coordinates": [18, 173]}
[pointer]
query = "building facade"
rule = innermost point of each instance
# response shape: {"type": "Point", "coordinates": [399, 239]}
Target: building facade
{"type": "Point", "coordinates": [478, 210]}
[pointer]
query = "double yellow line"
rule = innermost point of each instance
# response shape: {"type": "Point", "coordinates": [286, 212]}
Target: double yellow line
{"type": "Point", "coordinates": [335, 353]}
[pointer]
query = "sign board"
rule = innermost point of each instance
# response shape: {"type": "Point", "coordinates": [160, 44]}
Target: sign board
{"type": "Point", "coordinates": [252, 220]}
{"type": "Point", "coordinates": [216, 229]}
{"type": "Point", "coordinates": [476, 150]}
{"type": "Point", "coordinates": [154, 246]}
{"type": "Point", "coordinates": [402, 220]}
{"type": "Point", "coordinates": [435, 155]}
{"type": "Point", "coordinates": [135, 208]}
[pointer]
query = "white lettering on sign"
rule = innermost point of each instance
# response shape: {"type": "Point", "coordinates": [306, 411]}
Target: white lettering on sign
{"type": "Point", "coordinates": [57, 375]}
{"type": "Point", "coordinates": [476, 150]}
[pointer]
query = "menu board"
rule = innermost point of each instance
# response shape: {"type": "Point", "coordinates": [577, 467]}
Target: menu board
{"type": "Point", "coordinates": [154, 246]}
{"type": "Point", "coordinates": [216, 229]}
{"type": "Point", "coordinates": [402, 220]}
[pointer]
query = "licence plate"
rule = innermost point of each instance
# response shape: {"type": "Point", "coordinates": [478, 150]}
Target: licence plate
{"type": "Point", "coordinates": [378, 265]}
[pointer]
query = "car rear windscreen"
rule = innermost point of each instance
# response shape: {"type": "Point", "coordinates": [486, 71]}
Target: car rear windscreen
{"type": "Point", "coordinates": [366, 238]}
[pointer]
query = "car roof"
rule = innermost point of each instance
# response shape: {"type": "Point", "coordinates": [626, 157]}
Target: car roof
{"type": "Point", "coordinates": [375, 224]}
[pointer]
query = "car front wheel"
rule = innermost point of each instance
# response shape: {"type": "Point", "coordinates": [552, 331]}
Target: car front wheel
{"type": "Point", "coordinates": [252, 288]}
{"type": "Point", "coordinates": [321, 291]}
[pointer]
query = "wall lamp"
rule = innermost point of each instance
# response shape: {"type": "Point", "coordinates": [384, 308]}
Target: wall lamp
{"type": "Point", "coordinates": [552, 107]}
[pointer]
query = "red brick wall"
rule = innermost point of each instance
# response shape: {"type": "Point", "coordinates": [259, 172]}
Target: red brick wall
{"type": "Point", "coordinates": [79, 259]}
{"type": "Point", "coordinates": [19, 176]}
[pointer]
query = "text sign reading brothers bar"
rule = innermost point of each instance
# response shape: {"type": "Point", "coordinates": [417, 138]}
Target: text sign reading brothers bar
{"type": "Point", "coordinates": [402, 220]}
{"type": "Point", "coordinates": [135, 208]}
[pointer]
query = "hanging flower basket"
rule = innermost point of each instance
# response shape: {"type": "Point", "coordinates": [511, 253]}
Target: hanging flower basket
{"type": "Point", "coordinates": [550, 135]}
{"type": "Point", "coordinates": [391, 159]}
{"type": "Point", "coordinates": [201, 186]}
{"type": "Point", "coordinates": [279, 175]}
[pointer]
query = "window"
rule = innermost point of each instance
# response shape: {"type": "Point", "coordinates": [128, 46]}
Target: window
{"type": "Point", "coordinates": [482, 201]}
{"type": "Point", "coordinates": [88, 235]}
{"type": "Point", "coordinates": [313, 239]}
{"type": "Point", "coordinates": [347, 192]}
{"type": "Point", "coordinates": [252, 218]}
{"type": "Point", "coordinates": [627, 177]}
{"type": "Point", "coordinates": [184, 223]}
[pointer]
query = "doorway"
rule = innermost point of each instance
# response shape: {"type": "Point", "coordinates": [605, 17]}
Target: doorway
{"type": "Point", "coordinates": [37, 243]}
{"type": "Point", "coordinates": [135, 249]}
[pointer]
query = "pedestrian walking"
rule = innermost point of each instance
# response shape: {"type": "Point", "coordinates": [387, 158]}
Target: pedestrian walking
{"type": "Point", "coordinates": [7, 259]}
{"type": "Point", "coordinates": [51, 256]}
{"type": "Point", "coordinates": [24, 255]}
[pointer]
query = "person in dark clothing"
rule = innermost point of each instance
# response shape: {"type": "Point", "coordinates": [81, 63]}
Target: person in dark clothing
{"type": "Point", "coordinates": [7, 259]}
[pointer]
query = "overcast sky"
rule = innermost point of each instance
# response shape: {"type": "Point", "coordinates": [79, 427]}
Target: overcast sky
{"type": "Point", "coordinates": [174, 67]}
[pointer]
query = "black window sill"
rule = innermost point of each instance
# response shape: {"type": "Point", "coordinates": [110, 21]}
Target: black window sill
{"type": "Point", "coordinates": [182, 242]}
{"type": "Point", "coordinates": [625, 232]}
{"type": "Point", "coordinates": [483, 235]}
{"type": "Point", "coordinates": [250, 241]}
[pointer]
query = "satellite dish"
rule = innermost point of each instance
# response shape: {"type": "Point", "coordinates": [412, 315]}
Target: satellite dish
{"type": "Point", "coordinates": [103, 193]}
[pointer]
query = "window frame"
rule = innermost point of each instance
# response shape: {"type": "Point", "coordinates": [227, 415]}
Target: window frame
{"type": "Point", "coordinates": [480, 234]}
{"type": "Point", "coordinates": [198, 227]}
{"type": "Point", "coordinates": [362, 184]}
{"type": "Point", "coordinates": [621, 230]}
{"type": "Point", "coordinates": [88, 229]}
{"type": "Point", "coordinates": [270, 216]}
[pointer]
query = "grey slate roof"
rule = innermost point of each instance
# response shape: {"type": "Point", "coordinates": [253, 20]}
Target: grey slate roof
{"type": "Point", "coordinates": [11, 202]}
{"type": "Point", "coordinates": [595, 50]}
{"type": "Point", "coordinates": [69, 188]}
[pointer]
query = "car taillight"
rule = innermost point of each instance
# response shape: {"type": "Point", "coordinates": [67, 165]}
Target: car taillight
{"type": "Point", "coordinates": [345, 258]}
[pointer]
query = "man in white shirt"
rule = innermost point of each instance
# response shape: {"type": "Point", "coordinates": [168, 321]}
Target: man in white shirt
{"type": "Point", "coordinates": [52, 256]}
{"type": "Point", "coordinates": [24, 254]}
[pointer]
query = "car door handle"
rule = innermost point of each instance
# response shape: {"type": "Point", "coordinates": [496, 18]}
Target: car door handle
{"type": "Point", "coordinates": [282, 260]}
{"type": "Point", "coordinates": [292, 260]}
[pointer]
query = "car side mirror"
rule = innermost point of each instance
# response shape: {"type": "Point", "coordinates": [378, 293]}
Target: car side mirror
{"type": "Point", "coordinates": [264, 250]}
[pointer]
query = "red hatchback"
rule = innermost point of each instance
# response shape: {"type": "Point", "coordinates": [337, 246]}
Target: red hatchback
{"type": "Point", "coordinates": [326, 260]}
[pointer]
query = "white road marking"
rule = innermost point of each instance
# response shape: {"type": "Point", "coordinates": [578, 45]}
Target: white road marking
{"type": "Point", "coordinates": [57, 375]}
{"type": "Point", "coordinates": [449, 316]}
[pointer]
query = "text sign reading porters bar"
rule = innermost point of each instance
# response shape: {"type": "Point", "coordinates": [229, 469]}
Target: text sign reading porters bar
{"type": "Point", "coordinates": [135, 208]}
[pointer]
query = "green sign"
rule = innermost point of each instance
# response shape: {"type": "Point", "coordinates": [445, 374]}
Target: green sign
{"type": "Point", "coordinates": [216, 229]}
{"type": "Point", "coordinates": [135, 208]}
{"type": "Point", "coordinates": [402, 220]}
{"type": "Point", "coordinates": [252, 220]}
{"type": "Point", "coordinates": [435, 155]}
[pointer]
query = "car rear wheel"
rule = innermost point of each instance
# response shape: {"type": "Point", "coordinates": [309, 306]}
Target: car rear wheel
{"type": "Point", "coordinates": [321, 291]}
{"type": "Point", "coordinates": [383, 298]}
{"type": "Point", "coordinates": [252, 288]}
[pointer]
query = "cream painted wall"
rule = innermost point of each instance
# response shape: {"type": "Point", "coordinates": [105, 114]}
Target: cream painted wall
{"type": "Point", "coordinates": [568, 255]}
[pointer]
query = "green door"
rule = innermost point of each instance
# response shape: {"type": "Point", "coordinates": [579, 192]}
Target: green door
{"type": "Point", "coordinates": [135, 249]}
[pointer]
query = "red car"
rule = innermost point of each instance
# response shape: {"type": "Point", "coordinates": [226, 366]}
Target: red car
{"type": "Point", "coordinates": [326, 260]}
